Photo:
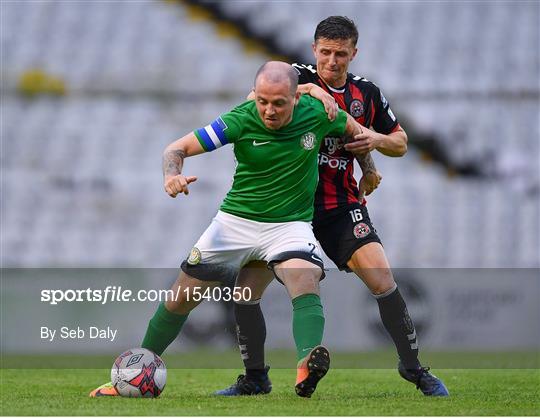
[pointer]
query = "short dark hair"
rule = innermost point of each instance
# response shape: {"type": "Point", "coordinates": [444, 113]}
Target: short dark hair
{"type": "Point", "coordinates": [337, 27]}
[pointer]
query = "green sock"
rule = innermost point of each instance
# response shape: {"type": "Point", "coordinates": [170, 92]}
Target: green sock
{"type": "Point", "coordinates": [308, 323]}
{"type": "Point", "coordinates": [162, 330]}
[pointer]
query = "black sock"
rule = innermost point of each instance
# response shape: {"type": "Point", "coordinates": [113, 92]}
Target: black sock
{"type": "Point", "coordinates": [399, 325]}
{"type": "Point", "coordinates": [251, 334]}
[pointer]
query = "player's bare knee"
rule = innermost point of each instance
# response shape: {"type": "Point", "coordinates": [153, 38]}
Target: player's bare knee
{"type": "Point", "coordinates": [186, 294]}
{"type": "Point", "coordinates": [302, 281]}
{"type": "Point", "coordinates": [384, 281]}
{"type": "Point", "coordinates": [180, 307]}
{"type": "Point", "coordinates": [256, 277]}
{"type": "Point", "coordinates": [183, 303]}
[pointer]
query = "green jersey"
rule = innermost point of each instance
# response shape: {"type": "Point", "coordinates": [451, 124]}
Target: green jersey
{"type": "Point", "coordinates": [277, 171]}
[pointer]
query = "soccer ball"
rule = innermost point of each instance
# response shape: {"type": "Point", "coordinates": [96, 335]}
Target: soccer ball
{"type": "Point", "coordinates": [139, 373]}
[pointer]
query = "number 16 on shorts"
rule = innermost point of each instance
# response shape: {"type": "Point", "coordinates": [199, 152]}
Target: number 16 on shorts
{"type": "Point", "coordinates": [356, 215]}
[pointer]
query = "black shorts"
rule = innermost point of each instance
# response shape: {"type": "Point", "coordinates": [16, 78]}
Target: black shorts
{"type": "Point", "coordinates": [342, 231]}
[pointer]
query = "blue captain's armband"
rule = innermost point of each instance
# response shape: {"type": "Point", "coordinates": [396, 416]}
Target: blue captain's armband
{"type": "Point", "coordinates": [212, 136]}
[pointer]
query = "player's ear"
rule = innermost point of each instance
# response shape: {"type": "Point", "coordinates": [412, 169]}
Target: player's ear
{"type": "Point", "coordinates": [354, 53]}
{"type": "Point", "coordinates": [314, 48]}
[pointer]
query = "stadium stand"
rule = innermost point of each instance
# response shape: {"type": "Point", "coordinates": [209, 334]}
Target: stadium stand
{"type": "Point", "coordinates": [81, 176]}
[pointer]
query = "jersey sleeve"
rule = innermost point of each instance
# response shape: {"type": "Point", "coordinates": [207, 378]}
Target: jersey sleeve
{"type": "Point", "coordinates": [307, 73]}
{"type": "Point", "coordinates": [384, 120]}
{"type": "Point", "coordinates": [338, 125]}
{"type": "Point", "coordinates": [225, 129]}
{"type": "Point", "coordinates": [335, 127]}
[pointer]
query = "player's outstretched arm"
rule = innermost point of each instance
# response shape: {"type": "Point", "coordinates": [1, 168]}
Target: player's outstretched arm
{"type": "Point", "coordinates": [174, 181]}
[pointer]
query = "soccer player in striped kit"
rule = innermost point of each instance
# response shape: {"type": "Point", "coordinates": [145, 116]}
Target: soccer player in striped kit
{"type": "Point", "coordinates": [341, 221]}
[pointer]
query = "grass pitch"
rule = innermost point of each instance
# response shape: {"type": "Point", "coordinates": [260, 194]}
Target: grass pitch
{"type": "Point", "coordinates": [342, 392]}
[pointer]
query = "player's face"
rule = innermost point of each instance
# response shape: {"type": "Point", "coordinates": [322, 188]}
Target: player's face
{"type": "Point", "coordinates": [275, 103]}
{"type": "Point", "coordinates": [333, 58]}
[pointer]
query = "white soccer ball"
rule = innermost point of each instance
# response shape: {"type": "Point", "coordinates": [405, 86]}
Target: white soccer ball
{"type": "Point", "coordinates": [139, 373]}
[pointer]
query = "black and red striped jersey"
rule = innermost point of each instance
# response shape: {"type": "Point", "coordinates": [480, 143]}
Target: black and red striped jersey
{"type": "Point", "coordinates": [364, 101]}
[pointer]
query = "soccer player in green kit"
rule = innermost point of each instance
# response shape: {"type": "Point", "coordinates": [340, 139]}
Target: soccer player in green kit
{"type": "Point", "coordinates": [266, 214]}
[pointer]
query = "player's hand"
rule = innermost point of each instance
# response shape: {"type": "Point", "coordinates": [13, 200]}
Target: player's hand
{"type": "Point", "coordinates": [369, 182]}
{"type": "Point", "coordinates": [365, 141]}
{"type": "Point", "coordinates": [330, 105]}
{"type": "Point", "coordinates": [178, 184]}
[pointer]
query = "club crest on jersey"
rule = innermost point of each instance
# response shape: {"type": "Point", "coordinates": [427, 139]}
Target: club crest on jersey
{"type": "Point", "coordinates": [361, 230]}
{"type": "Point", "coordinates": [194, 256]}
{"type": "Point", "coordinates": [308, 141]}
{"type": "Point", "coordinates": [356, 109]}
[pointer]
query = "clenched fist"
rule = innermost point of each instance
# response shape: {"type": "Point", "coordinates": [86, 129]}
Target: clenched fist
{"type": "Point", "coordinates": [369, 182]}
{"type": "Point", "coordinates": [178, 184]}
